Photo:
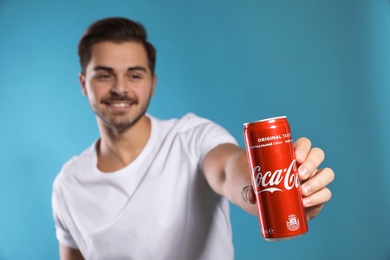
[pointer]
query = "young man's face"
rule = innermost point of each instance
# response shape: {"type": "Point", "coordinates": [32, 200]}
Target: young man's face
{"type": "Point", "coordinates": [118, 83]}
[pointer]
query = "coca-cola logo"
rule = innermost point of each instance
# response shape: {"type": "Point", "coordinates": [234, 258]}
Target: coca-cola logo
{"type": "Point", "coordinates": [269, 181]}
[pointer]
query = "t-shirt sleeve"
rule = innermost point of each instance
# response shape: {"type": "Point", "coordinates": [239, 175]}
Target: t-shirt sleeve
{"type": "Point", "coordinates": [213, 136]}
{"type": "Point", "coordinates": [208, 135]}
{"type": "Point", "coordinates": [62, 233]}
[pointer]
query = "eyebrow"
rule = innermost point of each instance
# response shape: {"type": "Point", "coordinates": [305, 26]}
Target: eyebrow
{"type": "Point", "coordinates": [109, 69]}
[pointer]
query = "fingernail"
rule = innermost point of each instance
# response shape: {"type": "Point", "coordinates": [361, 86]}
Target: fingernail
{"type": "Point", "coordinates": [306, 202]}
{"type": "Point", "coordinates": [300, 156]}
{"type": "Point", "coordinates": [244, 193]}
{"type": "Point", "coordinates": [306, 190]}
{"type": "Point", "coordinates": [303, 171]}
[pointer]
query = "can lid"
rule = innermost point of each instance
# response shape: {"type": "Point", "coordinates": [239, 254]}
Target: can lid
{"type": "Point", "coordinates": [266, 119]}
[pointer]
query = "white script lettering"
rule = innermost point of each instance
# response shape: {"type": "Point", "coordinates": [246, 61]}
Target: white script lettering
{"type": "Point", "coordinates": [268, 180]}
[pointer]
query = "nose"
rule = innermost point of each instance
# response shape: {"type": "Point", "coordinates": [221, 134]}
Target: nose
{"type": "Point", "coordinates": [119, 86]}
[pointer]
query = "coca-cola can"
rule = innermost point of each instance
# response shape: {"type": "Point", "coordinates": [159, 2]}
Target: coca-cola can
{"type": "Point", "coordinates": [275, 181]}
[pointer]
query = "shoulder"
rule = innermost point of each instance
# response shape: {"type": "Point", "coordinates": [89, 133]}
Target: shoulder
{"type": "Point", "coordinates": [191, 125]}
{"type": "Point", "coordinates": [193, 118]}
{"type": "Point", "coordinates": [189, 118]}
{"type": "Point", "coordinates": [195, 132]}
{"type": "Point", "coordinates": [192, 122]}
{"type": "Point", "coordinates": [178, 126]}
{"type": "Point", "coordinates": [204, 127]}
{"type": "Point", "coordinates": [74, 165]}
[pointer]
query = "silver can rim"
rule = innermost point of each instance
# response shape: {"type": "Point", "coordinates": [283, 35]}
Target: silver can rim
{"type": "Point", "coordinates": [266, 119]}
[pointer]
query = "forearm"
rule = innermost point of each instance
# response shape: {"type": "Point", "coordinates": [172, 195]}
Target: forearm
{"type": "Point", "coordinates": [67, 253]}
{"type": "Point", "coordinates": [227, 171]}
{"type": "Point", "coordinates": [237, 178]}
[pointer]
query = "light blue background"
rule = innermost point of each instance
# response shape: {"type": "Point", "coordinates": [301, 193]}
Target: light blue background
{"type": "Point", "coordinates": [324, 64]}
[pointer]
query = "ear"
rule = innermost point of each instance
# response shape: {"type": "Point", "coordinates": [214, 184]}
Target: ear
{"type": "Point", "coordinates": [82, 83]}
{"type": "Point", "coordinates": [154, 82]}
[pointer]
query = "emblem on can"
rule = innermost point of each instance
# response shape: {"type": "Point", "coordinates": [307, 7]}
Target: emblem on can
{"type": "Point", "coordinates": [292, 223]}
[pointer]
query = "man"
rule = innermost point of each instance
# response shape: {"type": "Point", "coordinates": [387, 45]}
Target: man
{"type": "Point", "coordinates": [148, 188]}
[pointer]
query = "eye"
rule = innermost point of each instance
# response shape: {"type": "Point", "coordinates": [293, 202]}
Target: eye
{"type": "Point", "coordinates": [103, 76]}
{"type": "Point", "coordinates": [135, 76]}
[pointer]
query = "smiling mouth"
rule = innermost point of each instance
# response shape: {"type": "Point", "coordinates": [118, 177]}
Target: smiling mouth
{"type": "Point", "coordinates": [119, 105]}
{"type": "Point", "coordinates": [122, 104]}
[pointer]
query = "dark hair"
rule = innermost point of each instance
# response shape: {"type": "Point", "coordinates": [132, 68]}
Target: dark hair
{"type": "Point", "coordinates": [114, 29]}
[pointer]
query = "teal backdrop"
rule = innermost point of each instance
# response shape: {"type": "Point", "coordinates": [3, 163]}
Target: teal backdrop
{"type": "Point", "coordinates": [323, 64]}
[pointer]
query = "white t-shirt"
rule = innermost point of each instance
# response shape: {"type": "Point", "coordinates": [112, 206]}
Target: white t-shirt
{"type": "Point", "coordinates": [158, 207]}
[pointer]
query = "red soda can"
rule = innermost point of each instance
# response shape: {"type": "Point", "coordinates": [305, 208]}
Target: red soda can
{"type": "Point", "coordinates": [275, 181]}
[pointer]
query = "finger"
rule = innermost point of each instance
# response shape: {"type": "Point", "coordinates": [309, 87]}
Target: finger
{"type": "Point", "coordinates": [302, 148]}
{"type": "Point", "coordinates": [313, 160]}
{"type": "Point", "coordinates": [318, 182]}
{"type": "Point", "coordinates": [318, 198]}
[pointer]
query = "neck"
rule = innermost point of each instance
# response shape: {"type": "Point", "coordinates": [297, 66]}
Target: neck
{"type": "Point", "coordinates": [117, 149]}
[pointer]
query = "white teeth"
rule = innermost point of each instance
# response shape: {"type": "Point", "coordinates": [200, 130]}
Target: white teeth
{"type": "Point", "coordinates": [119, 104]}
